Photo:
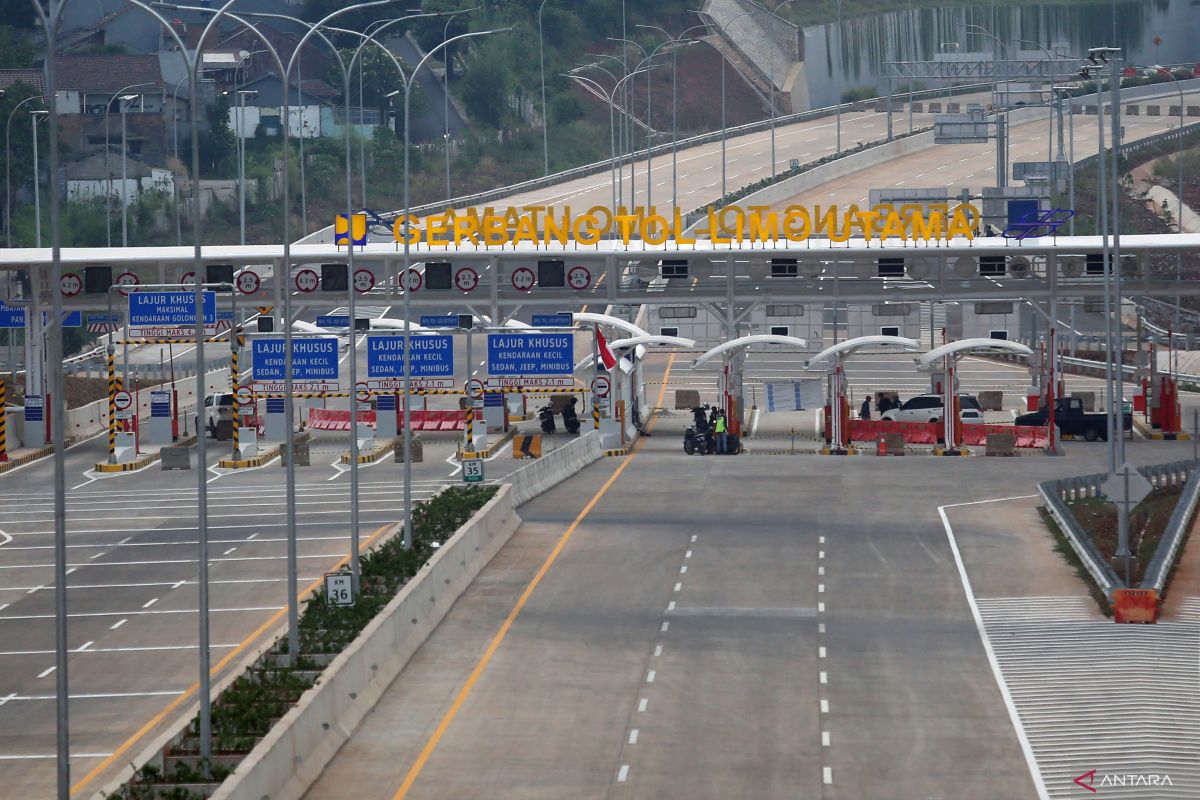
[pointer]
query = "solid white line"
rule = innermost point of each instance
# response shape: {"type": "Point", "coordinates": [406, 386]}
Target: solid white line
{"type": "Point", "coordinates": [47, 757]}
{"type": "Point", "coordinates": [46, 671]}
{"type": "Point", "coordinates": [145, 649]}
{"type": "Point", "coordinates": [825, 738]}
{"type": "Point", "coordinates": [170, 561]}
{"type": "Point", "coordinates": [642, 704]}
{"type": "Point", "coordinates": [650, 676]}
{"type": "Point", "coordinates": [622, 773]}
{"type": "Point", "coordinates": [633, 734]}
{"type": "Point", "coordinates": [98, 695]}
{"type": "Point", "coordinates": [1013, 716]}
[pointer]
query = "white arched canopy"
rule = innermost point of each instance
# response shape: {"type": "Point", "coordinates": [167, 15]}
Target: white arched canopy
{"type": "Point", "coordinates": [650, 339]}
{"type": "Point", "coordinates": [398, 324]}
{"type": "Point", "coordinates": [743, 342]}
{"type": "Point", "coordinates": [930, 359]}
{"type": "Point", "coordinates": [850, 345]}
{"type": "Point", "coordinates": [608, 319]}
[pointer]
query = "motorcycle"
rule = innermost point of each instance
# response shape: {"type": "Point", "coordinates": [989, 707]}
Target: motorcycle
{"type": "Point", "coordinates": [570, 420]}
{"type": "Point", "coordinates": [695, 438]}
{"type": "Point", "coordinates": [546, 416]}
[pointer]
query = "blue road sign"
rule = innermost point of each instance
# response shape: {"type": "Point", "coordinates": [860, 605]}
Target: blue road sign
{"type": "Point", "coordinates": [225, 316]}
{"type": "Point", "coordinates": [440, 321]}
{"type": "Point", "coordinates": [160, 404]}
{"type": "Point", "coordinates": [431, 356]}
{"type": "Point", "coordinates": [169, 309]}
{"type": "Point", "coordinates": [313, 358]}
{"type": "Point", "coordinates": [334, 321]}
{"type": "Point", "coordinates": [276, 405]}
{"type": "Point", "coordinates": [103, 319]}
{"type": "Point", "coordinates": [551, 320]}
{"type": "Point", "coordinates": [71, 319]}
{"type": "Point", "coordinates": [531, 353]}
{"type": "Point", "coordinates": [385, 402]}
{"type": "Point", "coordinates": [12, 316]}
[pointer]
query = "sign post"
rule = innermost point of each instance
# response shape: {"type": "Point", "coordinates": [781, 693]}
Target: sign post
{"type": "Point", "coordinates": [472, 470]}
{"type": "Point", "coordinates": [1126, 488]}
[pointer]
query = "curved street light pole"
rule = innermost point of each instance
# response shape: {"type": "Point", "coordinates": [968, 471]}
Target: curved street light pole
{"type": "Point", "coordinates": [545, 113]}
{"type": "Point", "coordinates": [8, 194]}
{"type": "Point", "coordinates": [107, 173]}
{"type": "Point", "coordinates": [610, 98]}
{"type": "Point", "coordinates": [446, 94]}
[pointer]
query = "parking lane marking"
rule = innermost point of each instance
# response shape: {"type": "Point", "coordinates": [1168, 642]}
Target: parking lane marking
{"type": "Point", "coordinates": [118, 624]}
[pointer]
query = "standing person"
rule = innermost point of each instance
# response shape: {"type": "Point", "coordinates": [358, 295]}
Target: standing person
{"type": "Point", "coordinates": [865, 411]}
{"type": "Point", "coordinates": [884, 405]}
{"type": "Point", "coordinates": [722, 434]}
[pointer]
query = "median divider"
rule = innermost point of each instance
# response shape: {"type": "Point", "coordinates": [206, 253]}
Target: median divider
{"type": "Point", "coordinates": [286, 762]}
{"type": "Point", "coordinates": [554, 467]}
{"type": "Point", "coordinates": [18, 461]}
{"type": "Point", "coordinates": [142, 461]}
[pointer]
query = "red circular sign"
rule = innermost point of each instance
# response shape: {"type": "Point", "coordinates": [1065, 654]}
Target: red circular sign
{"type": "Point", "coordinates": [127, 279]}
{"type": "Point", "coordinates": [523, 279]}
{"type": "Point", "coordinates": [70, 284]}
{"type": "Point", "coordinates": [188, 279]}
{"type": "Point", "coordinates": [601, 385]}
{"type": "Point", "coordinates": [412, 280]}
{"type": "Point", "coordinates": [248, 281]}
{"type": "Point", "coordinates": [466, 278]}
{"type": "Point", "coordinates": [579, 277]}
{"type": "Point", "coordinates": [244, 395]}
{"type": "Point", "coordinates": [307, 280]}
{"type": "Point", "coordinates": [364, 280]}
{"type": "Point", "coordinates": [362, 392]}
{"type": "Point", "coordinates": [122, 400]}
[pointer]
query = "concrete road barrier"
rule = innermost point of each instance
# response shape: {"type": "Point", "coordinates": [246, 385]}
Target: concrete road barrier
{"type": "Point", "coordinates": [554, 467]}
{"type": "Point", "coordinates": [416, 446]}
{"type": "Point", "coordinates": [1001, 444]}
{"type": "Point", "coordinates": [301, 448]}
{"type": "Point", "coordinates": [176, 458]}
{"type": "Point", "coordinates": [686, 399]}
{"type": "Point", "coordinates": [292, 756]}
{"type": "Point", "coordinates": [991, 400]}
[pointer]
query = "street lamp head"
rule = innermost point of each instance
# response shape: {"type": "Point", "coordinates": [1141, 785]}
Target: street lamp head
{"type": "Point", "coordinates": [128, 97]}
{"type": "Point", "coordinates": [41, 112]}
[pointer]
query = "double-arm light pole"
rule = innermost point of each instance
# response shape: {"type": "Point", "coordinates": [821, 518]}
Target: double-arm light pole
{"type": "Point", "coordinates": [8, 193]}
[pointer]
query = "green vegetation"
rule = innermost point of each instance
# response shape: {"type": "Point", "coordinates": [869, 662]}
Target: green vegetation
{"type": "Point", "coordinates": [1147, 522]}
{"type": "Point", "coordinates": [257, 699]}
{"type": "Point", "coordinates": [1063, 547]}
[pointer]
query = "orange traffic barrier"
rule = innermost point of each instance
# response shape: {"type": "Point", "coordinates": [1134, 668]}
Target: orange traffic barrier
{"type": "Point", "coordinates": [527, 445]}
{"type": "Point", "coordinates": [1135, 605]}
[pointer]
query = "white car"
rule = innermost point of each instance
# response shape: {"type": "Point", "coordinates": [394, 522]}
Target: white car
{"type": "Point", "coordinates": [928, 408]}
{"type": "Point", "coordinates": [217, 407]}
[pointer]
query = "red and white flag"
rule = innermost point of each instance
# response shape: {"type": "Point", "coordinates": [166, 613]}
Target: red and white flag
{"type": "Point", "coordinates": [606, 356]}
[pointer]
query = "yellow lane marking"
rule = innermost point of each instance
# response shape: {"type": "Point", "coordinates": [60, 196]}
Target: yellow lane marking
{"type": "Point", "coordinates": [415, 771]}
{"type": "Point", "coordinates": [195, 687]}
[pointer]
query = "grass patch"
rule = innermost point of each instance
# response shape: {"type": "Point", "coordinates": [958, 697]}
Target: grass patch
{"type": "Point", "coordinates": [1149, 519]}
{"type": "Point", "coordinates": [1063, 547]}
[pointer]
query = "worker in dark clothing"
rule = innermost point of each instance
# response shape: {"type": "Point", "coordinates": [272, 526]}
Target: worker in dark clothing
{"type": "Point", "coordinates": [865, 411]}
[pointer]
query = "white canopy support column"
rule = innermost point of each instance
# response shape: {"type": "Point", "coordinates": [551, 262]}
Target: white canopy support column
{"type": "Point", "coordinates": [949, 354]}
{"type": "Point", "coordinates": [839, 411]}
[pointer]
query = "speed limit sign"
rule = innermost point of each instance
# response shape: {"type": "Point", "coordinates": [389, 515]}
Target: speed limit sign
{"type": "Point", "coordinates": [126, 280]}
{"type": "Point", "coordinates": [70, 284]}
{"type": "Point", "coordinates": [522, 279]}
{"type": "Point", "coordinates": [248, 281]}
{"type": "Point", "coordinates": [411, 280]}
{"type": "Point", "coordinates": [466, 278]}
{"type": "Point", "coordinates": [579, 277]}
{"type": "Point", "coordinates": [364, 280]}
{"type": "Point", "coordinates": [307, 280]}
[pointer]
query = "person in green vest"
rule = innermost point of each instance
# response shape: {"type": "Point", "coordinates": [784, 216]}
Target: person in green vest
{"type": "Point", "coordinates": [722, 433]}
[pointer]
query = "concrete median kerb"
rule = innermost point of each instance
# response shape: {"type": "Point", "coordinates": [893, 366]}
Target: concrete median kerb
{"type": "Point", "coordinates": [292, 756]}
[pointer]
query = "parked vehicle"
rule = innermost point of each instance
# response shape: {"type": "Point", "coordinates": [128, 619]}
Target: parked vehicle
{"type": "Point", "coordinates": [695, 441]}
{"type": "Point", "coordinates": [546, 416]}
{"type": "Point", "coordinates": [1072, 420]}
{"type": "Point", "coordinates": [928, 408]}
{"type": "Point", "coordinates": [570, 419]}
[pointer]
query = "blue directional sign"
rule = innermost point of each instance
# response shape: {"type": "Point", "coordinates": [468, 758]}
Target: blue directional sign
{"type": "Point", "coordinates": [334, 321]}
{"type": "Point", "coordinates": [531, 353]}
{"type": "Point", "coordinates": [169, 309]}
{"type": "Point", "coordinates": [225, 316]}
{"type": "Point", "coordinates": [12, 316]}
{"type": "Point", "coordinates": [313, 358]}
{"type": "Point", "coordinates": [71, 319]}
{"type": "Point", "coordinates": [430, 356]}
{"type": "Point", "coordinates": [551, 320]}
{"type": "Point", "coordinates": [440, 321]}
{"type": "Point", "coordinates": [103, 319]}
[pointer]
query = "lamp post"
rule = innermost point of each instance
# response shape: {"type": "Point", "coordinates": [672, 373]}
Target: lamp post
{"type": "Point", "coordinates": [949, 86]}
{"type": "Point", "coordinates": [175, 153]}
{"type": "Point", "coordinates": [107, 173]}
{"type": "Point", "coordinates": [838, 100]}
{"type": "Point", "coordinates": [1050, 132]}
{"type": "Point", "coordinates": [678, 42]}
{"type": "Point", "coordinates": [545, 113]}
{"type": "Point", "coordinates": [446, 95]}
{"type": "Point", "coordinates": [610, 98]}
{"type": "Point", "coordinates": [37, 179]}
{"type": "Point", "coordinates": [125, 100]}
{"type": "Point", "coordinates": [8, 194]}
{"type": "Point", "coordinates": [241, 102]}
{"type": "Point", "coordinates": [1001, 122]}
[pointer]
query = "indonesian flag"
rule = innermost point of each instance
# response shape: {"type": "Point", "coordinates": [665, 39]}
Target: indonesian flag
{"type": "Point", "coordinates": [606, 356]}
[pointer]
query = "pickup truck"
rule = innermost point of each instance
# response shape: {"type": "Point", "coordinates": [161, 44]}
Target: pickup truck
{"type": "Point", "coordinates": [1071, 419]}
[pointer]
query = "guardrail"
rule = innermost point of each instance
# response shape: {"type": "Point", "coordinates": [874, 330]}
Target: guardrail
{"type": "Point", "coordinates": [1142, 144]}
{"type": "Point", "coordinates": [1057, 493]}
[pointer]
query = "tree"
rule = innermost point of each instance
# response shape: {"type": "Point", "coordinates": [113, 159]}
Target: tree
{"type": "Point", "coordinates": [16, 49]}
{"type": "Point", "coordinates": [217, 144]}
{"type": "Point", "coordinates": [486, 85]}
{"type": "Point", "coordinates": [21, 168]}
{"type": "Point", "coordinates": [429, 30]}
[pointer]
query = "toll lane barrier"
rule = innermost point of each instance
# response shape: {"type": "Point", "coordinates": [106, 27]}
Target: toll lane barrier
{"type": "Point", "coordinates": [1135, 605]}
{"type": "Point", "coordinates": [331, 419]}
{"type": "Point", "coordinates": [870, 430]}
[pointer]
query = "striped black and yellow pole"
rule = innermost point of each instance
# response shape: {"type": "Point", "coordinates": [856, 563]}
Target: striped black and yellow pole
{"type": "Point", "coordinates": [469, 426]}
{"type": "Point", "coordinates": [595, 412]}
{"type": "Point", "coordinates": [3, 421]}
{"type": "Point", "coordinates": [235, 344]}
{"type": "Point", "coordinates": [112, 405]}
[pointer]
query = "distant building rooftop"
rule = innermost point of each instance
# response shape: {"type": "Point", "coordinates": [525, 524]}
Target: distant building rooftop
{"type": "Point", "coordinates": [106, 73]}
{"type": "Point", "coordinates": [30, 77]}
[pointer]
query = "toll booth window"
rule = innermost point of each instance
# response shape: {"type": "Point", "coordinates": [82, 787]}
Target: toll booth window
{"type": "Point", "coordinates": [784, 268]}
{"type": "Point", "coordinates": [437, 275]}
{"type": "Point", "coordinates": [889, 330]}
{"type": "Point", "coordinates": [1095, 263]}
{"type": "Point", "coordinates": [891, 267]}
{"type": "Point", "coordinates": [1001, 335]}
{"type": "Point", "coordinates": [677, 312]}
{"type": "Point", "coordinates": [671, 331]}
{"type": "Point", "coordinates": [674, 268]}
{"type": "Point", "coordinates": [780, 330]}
{"type": "Point", "coordinates": [333, 278]}
{"type": "Point", "coordinates": [551, 274]}
{"type": "Point", "coordinates": [993, 266]}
